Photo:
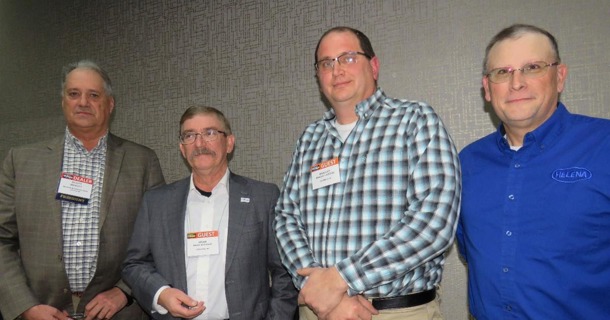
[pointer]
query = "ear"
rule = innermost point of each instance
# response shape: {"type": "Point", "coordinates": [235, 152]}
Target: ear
{"type": "Point", "coordinates": [230, 143]}
{"type": "Point", "coordinates": [182, 150]}
{"type": "Point", "coordinates": [485, 83]}
{"type": "Point", "coordinates": [375, 66]}
{"type": "Point", "coordinates": [562, 74]}
{"type": "Point", "coordinates": [111, 104]}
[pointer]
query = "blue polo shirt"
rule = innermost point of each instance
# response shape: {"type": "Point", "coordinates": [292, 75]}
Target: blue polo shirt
{"type": "Point", "coordinates": [535, 223]}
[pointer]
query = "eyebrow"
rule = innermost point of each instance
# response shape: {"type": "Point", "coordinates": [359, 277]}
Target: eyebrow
{"type": "Point", "coordinates": [207, 128]}
{"type": "Point", "coordinates": [342, 53]}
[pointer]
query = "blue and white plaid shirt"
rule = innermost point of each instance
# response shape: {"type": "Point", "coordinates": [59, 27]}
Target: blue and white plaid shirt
{"type": "Point", "coordinates": [388, 222]}
{"type": "Point", "coordinates": [80, 222]}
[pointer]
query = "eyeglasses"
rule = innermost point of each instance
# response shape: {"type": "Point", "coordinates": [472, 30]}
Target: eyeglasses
{"type": "Point", "coordinates": [207, 135]}
{"type": "Point", "coordinates": [529, 70]}
{"type": "Point", "coordinates": [346, 58]}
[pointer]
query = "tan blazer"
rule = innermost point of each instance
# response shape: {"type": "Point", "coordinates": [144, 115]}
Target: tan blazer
{"type": "Point", "coordinates": [31, 266]}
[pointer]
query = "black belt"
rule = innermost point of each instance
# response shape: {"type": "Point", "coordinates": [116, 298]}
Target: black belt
{"type": "Point", "coordinates": [410, 300]}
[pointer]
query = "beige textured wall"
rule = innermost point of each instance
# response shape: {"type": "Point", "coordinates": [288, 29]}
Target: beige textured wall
{"type": "Point", "coordinates": [253, 59]}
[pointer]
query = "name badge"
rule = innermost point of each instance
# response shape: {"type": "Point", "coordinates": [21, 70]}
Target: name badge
{"type": "Point", "coordinates": [325, 173]}
{"type": "Point", "coordinates": [202, 243]}
{"type": "Point", "coordinates": [74, 188]}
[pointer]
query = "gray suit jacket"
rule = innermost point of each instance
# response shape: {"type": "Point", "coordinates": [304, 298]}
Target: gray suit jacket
{"type": "Point", "coordinates": [31, 267]}
{"type": "Point", "coordinates": [156, 252]}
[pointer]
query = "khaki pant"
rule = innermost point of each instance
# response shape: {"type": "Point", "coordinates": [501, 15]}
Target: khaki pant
{"type": "Point", "coordinates": [428, 311]}
{"type": "Point", "coordinates": [75, 302]}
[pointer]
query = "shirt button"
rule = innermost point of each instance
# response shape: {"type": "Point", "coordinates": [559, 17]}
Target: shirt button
{"type": "Point", "coordinates": [508, 308]}
{"type": "Point", "coordinates": [508, 233]}
{"type": "Point", "coordinates": [511, 197]}
{"type": "Point", "coordinates": [504, 269]}
{"type": "Point", "coordinates": [517, 165]}
{"type": "Point", "coordinates": [78, 243]}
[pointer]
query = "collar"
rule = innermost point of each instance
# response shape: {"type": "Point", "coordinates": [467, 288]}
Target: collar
{"type": "Point", "coordinates": [223, 183]}
{"type": "Point", "coordinates": [364, 109]}
{"type": "Point", "coordinates": [543, 136]}
{"type": "Point", "coordinates": [70, 138]}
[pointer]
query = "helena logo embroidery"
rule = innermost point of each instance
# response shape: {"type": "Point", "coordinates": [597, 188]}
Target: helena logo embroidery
{"type": "Point", "coordinates": [571, 175]}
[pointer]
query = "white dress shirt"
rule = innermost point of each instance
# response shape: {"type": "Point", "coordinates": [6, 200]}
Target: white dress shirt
{"type": "Point", "coordinates": [205, 274]}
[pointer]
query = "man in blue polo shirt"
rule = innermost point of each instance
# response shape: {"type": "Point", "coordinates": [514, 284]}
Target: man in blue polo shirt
{"type": "Point", "coordinates": [535, 220]}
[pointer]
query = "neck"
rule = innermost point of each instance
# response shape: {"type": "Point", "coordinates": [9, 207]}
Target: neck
{"type": "Point", "coordinates": [89, 139]}
{"type": "Point", "coordinates": [206, 180]}
{"type": "Point", "coordinates": [345, 116]}
{"type": "Point", "coordinates": [515, 136]}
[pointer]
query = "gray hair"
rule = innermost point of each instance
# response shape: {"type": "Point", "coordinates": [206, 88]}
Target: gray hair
{"type": "Point", "coordinates": [86, 64]}
{"type": "Point", "coordinates": [515, 31]}
{"type": "Point", "coordinates": [193, 111]}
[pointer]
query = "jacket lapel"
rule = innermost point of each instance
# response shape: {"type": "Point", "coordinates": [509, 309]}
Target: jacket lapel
{"type": "Point", "coordinates": [174, 221]}
{"type": "Point", "coordinates": [239, 198]}
{"type": "Point", "coordinates": [114, 160]}
{"type": "Point", "coordinates": [51, 173]}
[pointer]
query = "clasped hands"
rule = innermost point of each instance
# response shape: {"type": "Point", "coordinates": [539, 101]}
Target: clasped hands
{"type": "Point", "coordinates": [104, 306]}
{"type": "Point", "coordinates": [325, 292]}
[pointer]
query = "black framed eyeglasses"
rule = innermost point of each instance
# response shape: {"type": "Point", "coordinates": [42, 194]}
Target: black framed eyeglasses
{"type": "Point", "coordinates": [346, 58]}
{"type": "Point", "coordinates": [207, 135]}
{"type": "Point", "coordinates": [529, 70]}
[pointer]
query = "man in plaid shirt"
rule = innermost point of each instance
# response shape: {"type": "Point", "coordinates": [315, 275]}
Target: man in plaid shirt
{"type": "Point", "coordinates": [370, 201]}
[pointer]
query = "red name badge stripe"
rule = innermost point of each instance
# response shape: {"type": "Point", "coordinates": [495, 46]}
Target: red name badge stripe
{"type": "Point", "coordinates": [324, 164]}
{"type": "Point", "coordinates": [74, 177]}
{"type": "Point", "coordinates": [202, 234]}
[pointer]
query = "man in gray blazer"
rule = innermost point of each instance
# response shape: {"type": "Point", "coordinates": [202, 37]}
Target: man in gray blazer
{"type": "Point", "coordinates": [67, 209]}
{"type": "Point", "coordinates": [202, 247]}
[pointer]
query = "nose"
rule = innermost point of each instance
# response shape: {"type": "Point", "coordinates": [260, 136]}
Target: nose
{"type": "Point", "coordinates": [199, 141]}
{"type": "Point", "coordinates": [517, 80]}
{"type": "Point", "coordinates": [83, 100]}
{"type": "Point", "coordinates": [337, 68]}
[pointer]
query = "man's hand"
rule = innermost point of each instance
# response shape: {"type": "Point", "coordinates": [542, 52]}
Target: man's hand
{"type": "Point", "coordinates": [44, 312]}
{"type": "Point", "coordinates": [180, 305]}
{"type": "Point", "coordinates": [323, 290]}
{"type": "Point", "coordinates": [106, 304]}
{"type": "Point", "coordinates": [352, 308]}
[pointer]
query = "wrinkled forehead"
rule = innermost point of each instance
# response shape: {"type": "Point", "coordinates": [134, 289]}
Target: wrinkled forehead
{"type": "Point", "coordinates": [84, 78]}
{"type": "Point", "coordinates": [523, 48]}
{"type": "Point", "coordinates": [202, 121]}
{"type": "Point", "coordinates": [344, 39]}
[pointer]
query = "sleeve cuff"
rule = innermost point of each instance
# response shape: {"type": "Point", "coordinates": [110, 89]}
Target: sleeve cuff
{"type": "Point", "coordinates": [156, 307]}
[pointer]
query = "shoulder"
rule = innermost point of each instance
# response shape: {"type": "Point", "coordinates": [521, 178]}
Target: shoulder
{"type": "Point", "coordinates": [55, 142]}
{"type": "Point", "coordinates": [255, 186]}
{"type": "Point", "coordinates": [588, 132]}
{"type": "Point", "coordinates": [127, 145]}
{"type": "Point", "coordinates": [314, 128]}
{"type": "Point", "coordinates": [174, 189]}
{"type": "Point", "coordinates": [481, 145]}
{"type": "Point", "coordinates": [411, 111]}
{"type": "Point", "coordinates": [590, 123]}
{"type": "Point", "coordinates": [37, 150]}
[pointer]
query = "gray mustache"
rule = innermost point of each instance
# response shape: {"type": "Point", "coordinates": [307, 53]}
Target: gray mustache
{"type": "Point", "coordinates": [201, 151]}
{"type": "Point", "coordinates": [83, 109]}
